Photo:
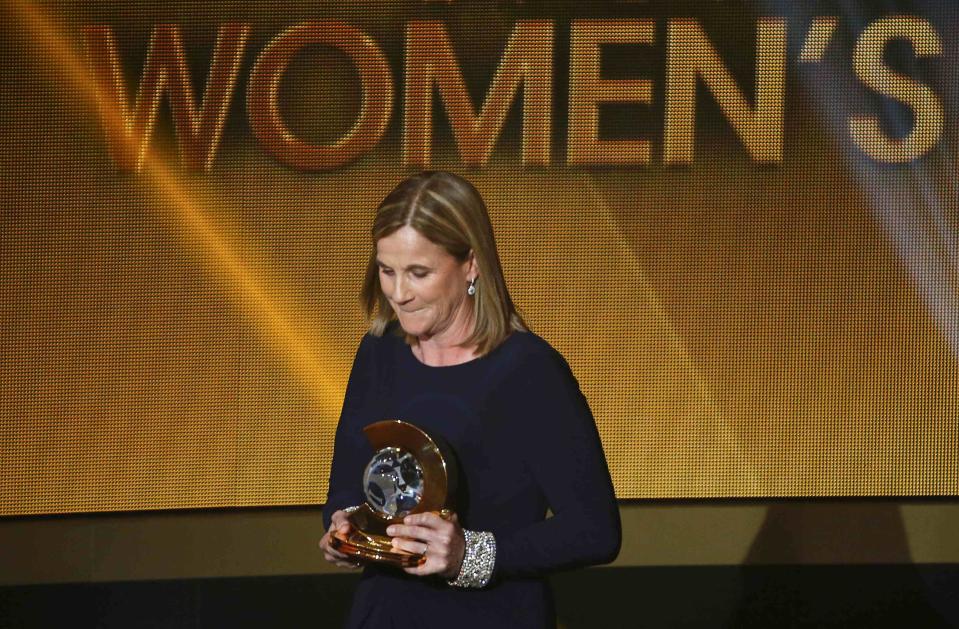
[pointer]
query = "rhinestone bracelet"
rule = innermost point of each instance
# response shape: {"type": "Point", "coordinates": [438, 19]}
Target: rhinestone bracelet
{"type": "Point", "coordinates": [478, 561]}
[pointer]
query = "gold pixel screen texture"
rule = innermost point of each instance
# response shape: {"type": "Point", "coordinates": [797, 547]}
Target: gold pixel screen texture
{"type": "Point", "coordinates": [746, 323]}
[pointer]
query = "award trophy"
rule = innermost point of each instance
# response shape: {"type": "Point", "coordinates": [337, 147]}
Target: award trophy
{"type": "Point", "coordinates": [408, 474]}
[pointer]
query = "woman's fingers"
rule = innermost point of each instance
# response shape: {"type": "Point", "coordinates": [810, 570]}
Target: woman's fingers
{"type": "Point", "coordinates": [421, 533]}
{"type": "Point", "coordinates": [328, 548]}
{"type": "Point", "coordinates": [440, 540]}
{"type": "Point", "coordinates": [428, 527]}
{"type": "Point", "coordinates": [329, 552]}
{"type": "Point", "coordinates": [415, 546]}
{"type": "Point", "coordinates": [335, 557]}
{"type": "Point", "coordinates": [339, 523]}
{"type": "Point", "coordinates": [430, 519]}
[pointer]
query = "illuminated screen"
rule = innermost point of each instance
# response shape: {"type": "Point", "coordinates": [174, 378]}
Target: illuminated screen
{"type": "Point", "coordinates": [737, 221]}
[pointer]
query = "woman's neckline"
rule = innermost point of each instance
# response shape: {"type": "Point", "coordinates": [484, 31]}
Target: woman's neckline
{"type": "Point", "coordinates": [454, 365]}
{"type": "Point", "coordinates": [472, 361]}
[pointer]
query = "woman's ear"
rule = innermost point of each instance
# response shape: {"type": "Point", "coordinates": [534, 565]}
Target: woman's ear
{"type": "Point", "coordinates": [472, 271]}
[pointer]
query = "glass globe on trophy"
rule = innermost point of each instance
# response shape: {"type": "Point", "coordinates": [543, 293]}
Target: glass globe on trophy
{"type": "Point", "coordinates": [409, 473]}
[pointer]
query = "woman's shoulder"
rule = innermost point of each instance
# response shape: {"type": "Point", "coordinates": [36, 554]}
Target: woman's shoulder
{"type": "Point", "coordinates": [534, 372]}
{"type": "Point", "coordinates": [528, 349]}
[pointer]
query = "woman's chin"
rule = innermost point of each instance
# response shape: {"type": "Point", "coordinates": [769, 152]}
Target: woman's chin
{"type": "Point", "coordinates": [411, 328]}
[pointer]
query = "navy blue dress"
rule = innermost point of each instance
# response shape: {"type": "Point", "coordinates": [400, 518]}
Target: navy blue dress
{"type": "Point", "coordinates": [525, 441]}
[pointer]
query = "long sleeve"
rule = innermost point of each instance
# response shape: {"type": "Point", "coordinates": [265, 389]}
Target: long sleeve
{"type": "Point", "coordinates": [350, 449]}
{"type": "Point", "coordinates": [564, 455]}
{"type": "Point", "coordinates": [523, 440]}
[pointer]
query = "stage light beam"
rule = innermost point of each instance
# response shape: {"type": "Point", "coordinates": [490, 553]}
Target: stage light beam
{"type": "Point", "coordinates": [273, 314]}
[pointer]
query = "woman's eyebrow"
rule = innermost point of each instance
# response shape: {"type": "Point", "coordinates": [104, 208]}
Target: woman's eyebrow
{"type": "Point", "coordinates": [412, 267]}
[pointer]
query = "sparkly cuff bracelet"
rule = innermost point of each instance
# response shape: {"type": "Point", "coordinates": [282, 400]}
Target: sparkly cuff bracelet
{"type": "Point", "coordinates": [478, 561]}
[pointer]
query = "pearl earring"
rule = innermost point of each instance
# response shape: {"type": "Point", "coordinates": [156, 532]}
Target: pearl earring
{"type": "Point", "coordinates": [471, 289]}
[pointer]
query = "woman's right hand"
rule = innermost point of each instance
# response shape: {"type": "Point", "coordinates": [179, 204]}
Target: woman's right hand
{"type": "Point", "coordinates": [340, 523]}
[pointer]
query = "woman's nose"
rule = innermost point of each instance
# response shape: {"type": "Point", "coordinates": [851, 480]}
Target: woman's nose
{"type": "Point", "coordinates": [401, 291]}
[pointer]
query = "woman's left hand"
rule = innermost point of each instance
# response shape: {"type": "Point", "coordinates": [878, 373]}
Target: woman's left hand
{"type": "Point", "coordinates": [440, 540]}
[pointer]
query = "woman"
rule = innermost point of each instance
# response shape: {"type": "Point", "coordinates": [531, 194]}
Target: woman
{"type": "Point", "coordinates": [448, 352]}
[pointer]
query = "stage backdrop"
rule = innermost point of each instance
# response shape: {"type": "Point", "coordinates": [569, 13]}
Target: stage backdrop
{"type": "Point", "coordinates": [738, 221]}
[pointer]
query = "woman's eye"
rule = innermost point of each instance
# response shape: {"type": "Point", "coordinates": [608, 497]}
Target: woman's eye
{"type": "Point", "coordinates": [420, 274]}
{"type": "Point", "coordinates": [386, 271]}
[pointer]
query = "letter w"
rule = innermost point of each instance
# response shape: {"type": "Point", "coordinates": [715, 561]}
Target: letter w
{"type": "Point", "coordinates": [165, 71]}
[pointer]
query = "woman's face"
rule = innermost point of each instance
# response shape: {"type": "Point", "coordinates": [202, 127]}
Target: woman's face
{"type": "Point", "coordinates": [424, 284]}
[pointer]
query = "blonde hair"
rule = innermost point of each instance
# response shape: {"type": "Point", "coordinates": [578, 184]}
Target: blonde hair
{"type": "Point", "coordinates": [449, 211]}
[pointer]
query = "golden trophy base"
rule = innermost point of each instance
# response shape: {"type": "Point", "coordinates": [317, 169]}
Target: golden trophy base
{"type": "Point", "coordinates": [364, 549]}
{"type": "Point", "coordinates": [367, 543]}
